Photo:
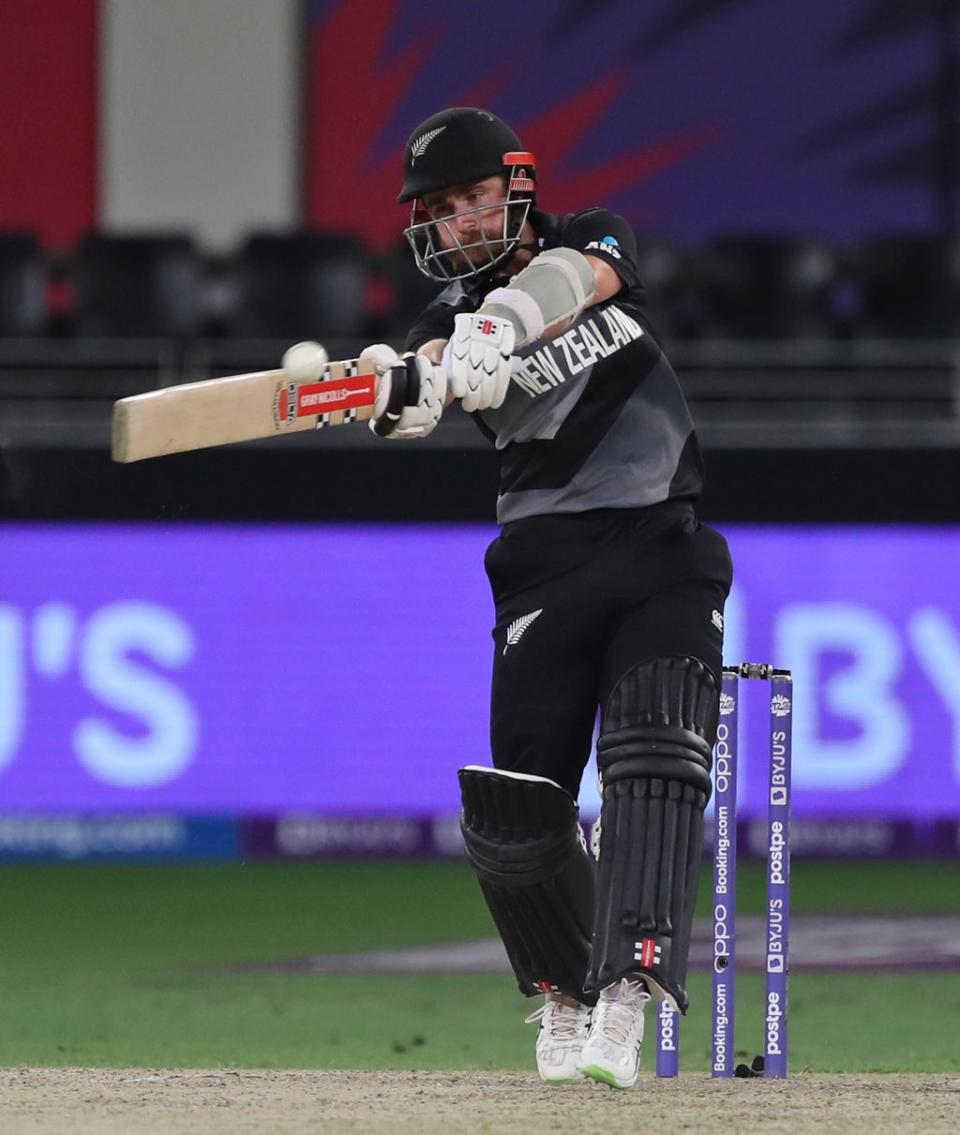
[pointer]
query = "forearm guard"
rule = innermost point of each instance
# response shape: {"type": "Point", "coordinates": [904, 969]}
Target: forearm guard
{"type": "Point", "coordinates": [553, 288]}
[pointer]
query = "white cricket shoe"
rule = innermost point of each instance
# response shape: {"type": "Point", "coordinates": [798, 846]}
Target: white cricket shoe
{"type": "Point", "coordinates": [563, 1029]}
{"type": "Point", "coordinates": [612, 1050]}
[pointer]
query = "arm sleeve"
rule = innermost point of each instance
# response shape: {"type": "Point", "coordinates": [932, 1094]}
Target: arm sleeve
{"type": "Point", "coordinates": [603, 234]}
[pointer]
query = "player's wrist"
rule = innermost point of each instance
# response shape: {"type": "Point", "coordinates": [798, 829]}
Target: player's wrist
{"type": "Point", "coordinates": [518, 308]}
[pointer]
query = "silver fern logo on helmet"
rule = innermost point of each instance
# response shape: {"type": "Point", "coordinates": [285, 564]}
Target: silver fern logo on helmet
{"type": "Point", "coordinates": [419, 147]}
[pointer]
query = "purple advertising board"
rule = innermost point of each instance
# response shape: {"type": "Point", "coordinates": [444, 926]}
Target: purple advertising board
{"type": "Point", "coordinates": [343, 670]}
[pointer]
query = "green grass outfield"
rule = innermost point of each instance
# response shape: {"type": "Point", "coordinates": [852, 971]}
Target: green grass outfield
{"type": "Point", "coordinates": [120, 965]}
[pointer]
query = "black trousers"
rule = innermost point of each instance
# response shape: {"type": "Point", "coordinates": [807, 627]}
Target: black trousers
{"type": "Point", "coordinates": [580, 600]}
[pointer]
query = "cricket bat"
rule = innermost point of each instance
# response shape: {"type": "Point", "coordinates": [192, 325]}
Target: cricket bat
{"type": "Point", "coordinates": [241, 407]}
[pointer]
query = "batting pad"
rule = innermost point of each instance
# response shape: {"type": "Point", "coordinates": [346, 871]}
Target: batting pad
{"type": "Point", "coordinates": [522, 834]}
{"type": "Point", "coordinates": [654, 756]}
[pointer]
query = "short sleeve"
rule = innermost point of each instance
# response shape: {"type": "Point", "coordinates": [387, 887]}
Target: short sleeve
{"type": "Point", "coordinates": [606, 235]}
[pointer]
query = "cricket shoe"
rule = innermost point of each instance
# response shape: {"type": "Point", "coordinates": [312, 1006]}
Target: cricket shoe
{"type": "Point", "coordinates": [563, 1029]}
{"type": "Point", "coordinates": [612, 1050]}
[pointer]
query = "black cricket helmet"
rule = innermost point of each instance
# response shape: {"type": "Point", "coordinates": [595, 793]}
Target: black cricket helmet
{"type": "Point", "coordinates": [461, 146]}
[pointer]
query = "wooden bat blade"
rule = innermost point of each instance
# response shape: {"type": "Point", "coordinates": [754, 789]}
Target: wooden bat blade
{"type": "Point", "coordinates": [240, 407]}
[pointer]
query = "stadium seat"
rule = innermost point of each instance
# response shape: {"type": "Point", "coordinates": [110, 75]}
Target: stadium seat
{"type": "Point", "coordinates": [766, 287]}
{"type": "Point", "coordinates": [909, 287]}
{"type": "Point", "coordinates": [664, 271]}
{"type": "Point", "coordinates": [301, 285]}
{"type": "Point", "coordinates": [23, 285]}
{"type": "Point", "coordinates": [136, 286]}
{"type": "Point", "coordinates": [410, 290]}
{"type": "Point", "coordinates": [666, 276]}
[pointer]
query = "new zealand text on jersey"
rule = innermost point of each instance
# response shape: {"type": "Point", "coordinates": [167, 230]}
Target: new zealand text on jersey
{"type": "Point", "coordinates": [576, 349]}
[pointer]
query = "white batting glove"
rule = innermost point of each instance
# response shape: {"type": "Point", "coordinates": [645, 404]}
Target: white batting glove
{"type": "Point", "coordinates": [411, 392]}
{"type": "Point", "coordinates": [479, 360]}
{"type": "Point", "coordinates": [382, 355]}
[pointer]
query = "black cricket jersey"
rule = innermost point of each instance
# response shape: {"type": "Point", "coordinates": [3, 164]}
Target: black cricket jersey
{"type": "Point", "coordinates": [593, 418]}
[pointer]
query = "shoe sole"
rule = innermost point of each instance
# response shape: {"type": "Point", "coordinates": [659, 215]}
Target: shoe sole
{"type": "Point", "coordinates": [562, 1079]}
{"type": "Point", "coordinates": [604, 1076]}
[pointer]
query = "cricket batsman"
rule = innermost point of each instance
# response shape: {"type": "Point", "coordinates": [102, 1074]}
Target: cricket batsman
{"type": "Point", "coordinates": [609, 592]}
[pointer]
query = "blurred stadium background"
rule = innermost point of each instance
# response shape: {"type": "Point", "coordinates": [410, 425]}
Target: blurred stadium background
{"type": "Point", "coordinates": [215, 656]}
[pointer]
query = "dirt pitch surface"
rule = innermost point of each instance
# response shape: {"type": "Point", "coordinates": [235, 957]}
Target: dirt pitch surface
{"type": "Point", "coordinates": [139, 1101]}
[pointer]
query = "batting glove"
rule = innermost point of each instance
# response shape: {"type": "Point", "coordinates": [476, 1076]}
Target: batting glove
{"type": "Point", "coordinates": [479, 360]}
{"type": "Point", "coordinates": [411, 392]}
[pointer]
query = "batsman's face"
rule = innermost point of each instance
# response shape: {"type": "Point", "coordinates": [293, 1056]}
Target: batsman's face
{"type": "Point", "coordinates": [470, 220]}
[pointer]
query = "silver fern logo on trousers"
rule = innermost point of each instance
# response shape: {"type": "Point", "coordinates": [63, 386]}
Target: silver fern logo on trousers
{"type": "Point", "coordinates": [518, 628]}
